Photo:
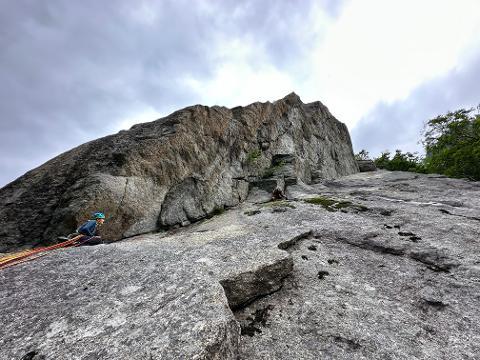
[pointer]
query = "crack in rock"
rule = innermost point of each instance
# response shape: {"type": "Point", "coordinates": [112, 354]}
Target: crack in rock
{"type": "Point", "coordinates": [253, 323]}
{"type": "Point", "coordinates": [459, 215]}
{"type": "Point", "coordinates": [372, 245]}
{"type": "Point", "coordinates": [32, 355]}
{"type": "Point", "coordinates": [433, 258]}
{"type": "Point", "coordinates": [350, 344]}
{"type": "Point", "coordinates": [286, 245]}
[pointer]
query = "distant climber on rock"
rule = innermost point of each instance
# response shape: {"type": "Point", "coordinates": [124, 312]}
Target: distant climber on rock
{"type": "Point", "coordinates": [88, 232]}
{"type": "Point", "coordinates": [278, 194]}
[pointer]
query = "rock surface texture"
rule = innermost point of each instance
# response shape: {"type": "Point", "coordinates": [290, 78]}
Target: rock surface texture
{"type": "Point", "coordinates": [174, 171]}
{"type": "Point", "coordinates": [375, 265]}
{"type": "Point", "coordinates": [366, 165]}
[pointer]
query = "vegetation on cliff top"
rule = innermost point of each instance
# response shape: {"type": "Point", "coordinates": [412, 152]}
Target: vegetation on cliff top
{"type": "Point", "coordinates": [452, 148]}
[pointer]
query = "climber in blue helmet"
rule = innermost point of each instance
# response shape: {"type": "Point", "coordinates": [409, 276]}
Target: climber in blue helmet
{"type": "Point", "coordinates": [88, 232]}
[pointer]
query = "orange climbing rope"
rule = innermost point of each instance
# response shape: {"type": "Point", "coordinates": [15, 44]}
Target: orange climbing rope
{"type": "Point", "coordinates": [23, 256]}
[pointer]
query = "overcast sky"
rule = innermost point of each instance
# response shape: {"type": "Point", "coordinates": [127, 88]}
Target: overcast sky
{"type": "Point", "coordinates": [72, 71]}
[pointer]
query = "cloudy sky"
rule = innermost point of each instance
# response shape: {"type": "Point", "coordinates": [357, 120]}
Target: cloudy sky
{"type": "Point", "coordinates": [72, 71]}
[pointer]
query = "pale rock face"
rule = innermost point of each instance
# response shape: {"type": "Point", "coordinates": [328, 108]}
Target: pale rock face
{"type": "Point", "coordinates": [387, 268]}
{"type": "Point", "coordinates": [174, 171]}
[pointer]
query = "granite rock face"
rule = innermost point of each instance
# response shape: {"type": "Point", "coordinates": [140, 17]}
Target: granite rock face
{"type": "Point", "coordinates": [375, 265]}
{"type": "Point", "coordinates": [175, 170]}
{"type": "Point", "coordinates": [366, 165]}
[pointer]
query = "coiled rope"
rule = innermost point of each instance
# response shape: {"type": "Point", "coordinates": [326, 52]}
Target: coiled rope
{"type": "Point", "coordinates": [27, 255]}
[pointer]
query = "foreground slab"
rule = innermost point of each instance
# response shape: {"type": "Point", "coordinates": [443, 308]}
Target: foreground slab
{"type": "Point", "coordinates": [370, 266]}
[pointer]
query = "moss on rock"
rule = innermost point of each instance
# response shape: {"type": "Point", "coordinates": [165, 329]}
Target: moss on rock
{"type": "Point", "coordinates": [253, 156]}
{"type": "Point", "coordinates": [279, 203]}
{"type": "Point", "coordinates": [334, 205]}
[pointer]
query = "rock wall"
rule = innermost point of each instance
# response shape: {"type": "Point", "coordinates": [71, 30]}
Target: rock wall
{"type": "Point", "coordinates": [174, 170]}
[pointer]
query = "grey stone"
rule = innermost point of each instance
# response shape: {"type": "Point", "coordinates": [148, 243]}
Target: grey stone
{"type": "Point", "coordinates": [366, 165]}
{"type": "Point", "coordinates": [267, 185]}
{"type": "Point", "coordinates": [178, 169]}
{"type": "Point", "coordinates": [365, 293]}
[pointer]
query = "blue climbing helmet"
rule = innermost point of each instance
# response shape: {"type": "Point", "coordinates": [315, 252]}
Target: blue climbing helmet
{"type": "Point", "coordinates": [98, 215]}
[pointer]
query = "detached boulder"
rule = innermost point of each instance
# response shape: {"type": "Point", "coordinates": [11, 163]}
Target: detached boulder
{"type": "Point", "coordinates": [366, 165]}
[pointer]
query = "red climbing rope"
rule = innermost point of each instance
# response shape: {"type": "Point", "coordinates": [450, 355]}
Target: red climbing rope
{"type": "Point", "coordinates": [23, 256]}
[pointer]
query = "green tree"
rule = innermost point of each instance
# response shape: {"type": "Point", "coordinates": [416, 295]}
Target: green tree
{"type": "Point", "coordinates": [406, 162]}
{"type": "Point", "coordinates": [383, 160]}
{"type": "Point", "coordinates": [452, 144]}
{"type": "Point", "coordinates": [362, 155]}
{"type": "Point", "coordinates": [400, 161]}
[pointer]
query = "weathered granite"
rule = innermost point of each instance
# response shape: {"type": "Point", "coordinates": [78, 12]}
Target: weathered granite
{"type": "Point", "coordinates": [366, 165]}
{"type": "Point", "coordinates": [387, 268]}
{"type": "Point", "coordinates": [175, 170]}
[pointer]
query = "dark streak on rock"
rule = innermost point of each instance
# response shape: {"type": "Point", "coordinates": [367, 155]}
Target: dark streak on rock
{"type": "Point", "coordinates": [351, 344]}
{"type": "Point", "coordinates": [434, 260]}
{"type": "Point", "coordinates": [322, 273]}
{"type": "Point", "coordinates": [370, 244]}
{"type": "Point", "coordinates": [285, 245]}
{"type": "Point", "coordinates": [32, 355]}
{"type": "Point", "coordinates": [386, 212]}
{"type": "Point", "coordinates": [436, 303]}
{"type": "Point", "coordinates": [405, 233]}
{"type": "Point", "coordinates": [251, 325]}
{"type": "Point", "coordinates": [459, 215]}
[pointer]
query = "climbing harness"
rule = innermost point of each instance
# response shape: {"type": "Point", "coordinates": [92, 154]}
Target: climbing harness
{"type": "Point", "coordinates": [28, 255]}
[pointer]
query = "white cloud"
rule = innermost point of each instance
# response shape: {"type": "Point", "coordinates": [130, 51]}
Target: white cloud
{"type": "Point", "coordinates": [144, 12]}
{"type": "Point", "coordinates": [245, 71]}
{"type": "Point", "coordinates": [121, 65]}
{"type": "Point", "coordinates": [379, 50]}
{"type": "Point", "coordinates": [242, 77]}
{"type": "Point", "coordinates": [147, 114]}
{"type": "Point", "coordinates": [375, 51]}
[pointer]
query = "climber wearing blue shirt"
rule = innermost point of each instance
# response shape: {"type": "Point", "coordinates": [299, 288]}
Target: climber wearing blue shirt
{"type": "Point", "coordinates": [88, 231]}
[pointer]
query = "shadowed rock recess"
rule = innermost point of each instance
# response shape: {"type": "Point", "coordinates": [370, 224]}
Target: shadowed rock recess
{"type": "Point", "coordinates": [371, 265]}
{"type": "Point", "coordinates": [175, 170]}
